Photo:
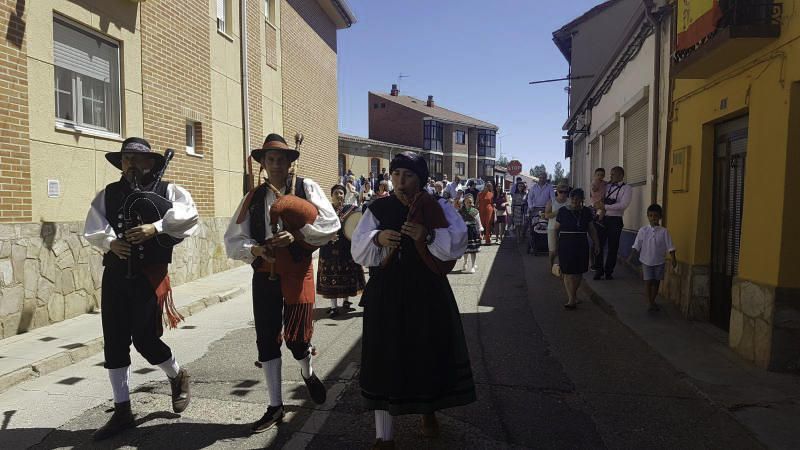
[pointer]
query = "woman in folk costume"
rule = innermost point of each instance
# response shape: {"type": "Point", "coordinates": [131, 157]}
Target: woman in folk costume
{"type": "Point", "coordinates": [472, 220]}
{"type": "Point", "coordinates": [414, 357]}
{"type": "Point", "coordinates": [338, 276]}
{"type": "Point", "coordinates": [135, 295]}
{"type": "Point", "coordinates": [486, 207]}
{"type": "Point", "coordinates": [283, 279]}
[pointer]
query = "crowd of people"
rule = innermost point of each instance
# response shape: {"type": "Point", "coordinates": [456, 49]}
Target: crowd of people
{"type": "Point", "coordinates": [414, 357]}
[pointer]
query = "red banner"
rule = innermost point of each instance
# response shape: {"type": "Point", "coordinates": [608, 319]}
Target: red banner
{"type": "Point", "coordinates": [696, 20]}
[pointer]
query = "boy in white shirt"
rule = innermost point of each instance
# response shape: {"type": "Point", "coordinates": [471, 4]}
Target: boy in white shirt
{"type": "Point", "coordinates": [652, 243]}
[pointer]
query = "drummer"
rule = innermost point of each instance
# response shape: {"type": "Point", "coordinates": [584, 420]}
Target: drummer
{"type": "Point", "coordinates": [338, 276]}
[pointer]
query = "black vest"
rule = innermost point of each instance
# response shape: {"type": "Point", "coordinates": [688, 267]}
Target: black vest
{"type": "Point", "coordinates": [150, 252]}
{"type": "Point", "coordinates": [258, 224]}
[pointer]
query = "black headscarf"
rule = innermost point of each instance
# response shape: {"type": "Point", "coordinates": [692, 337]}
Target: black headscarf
{"type": "Point", "coordinates": [413, 162]}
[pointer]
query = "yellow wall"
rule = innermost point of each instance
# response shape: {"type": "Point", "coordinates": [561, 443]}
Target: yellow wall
{"type": "Point", "coordinates": [76, 159]}
{"type": "Point", "coordinates": [790, 249]}
{"type": "Point", "coordinates": [758, 86]}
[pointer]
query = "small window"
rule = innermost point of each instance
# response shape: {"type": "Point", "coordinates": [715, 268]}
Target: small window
{"type": "Point", "coordinates": [269, 12]}
{"type": "Point", "coordinates": [87, 79]}
{"type": "Point", "coordinates": [192, 130]}
{"type": "Point", "coordinates": [224, 16]}
{"type": "Point", "coordinates": [460, 168]}
{"type": "Point", "coordinates": [374, 106]}
{"type": "Point", "coordinates": [375, 165]}
{"type": "Point", "coordinates": [342, 164]}
{"type": "Point", "coordinates": [383, 105]}
{"type": "Point", "coordinates": [461, 137]}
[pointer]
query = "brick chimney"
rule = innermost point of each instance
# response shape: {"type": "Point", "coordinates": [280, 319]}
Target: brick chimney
{"type": "Point", "coordinates": [430, 101]}
{"type": "Point", "coordinates": [395, 92]}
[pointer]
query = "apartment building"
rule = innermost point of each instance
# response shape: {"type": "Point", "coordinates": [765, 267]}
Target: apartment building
{"type": "Point", "coordinates": [453, 143]}
{"type": "Point", "coordinates": [203, 77]}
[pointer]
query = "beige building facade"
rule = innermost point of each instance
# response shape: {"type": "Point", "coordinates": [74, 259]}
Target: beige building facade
{"type": "Point", "coordinates": [362, 155]}
{"type": "Point", "coordinates": [80, 76]}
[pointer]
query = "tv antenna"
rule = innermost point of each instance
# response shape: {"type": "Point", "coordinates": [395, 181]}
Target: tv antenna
{"type": "Point", "coordinates": [578, 77]}
{"type": "Point", "coordinates": [401, 76]}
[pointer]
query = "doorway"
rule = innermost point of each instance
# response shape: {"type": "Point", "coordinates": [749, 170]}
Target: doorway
{"type": "Point", "coordinates": [730, 155]}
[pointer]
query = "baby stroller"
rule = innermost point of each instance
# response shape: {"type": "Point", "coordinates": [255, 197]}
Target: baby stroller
{"type": "Point", "coordinates": [538, 238]}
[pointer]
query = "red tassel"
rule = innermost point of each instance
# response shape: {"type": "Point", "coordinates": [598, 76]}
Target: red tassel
{"type": "Point", "coordinates": [299, 323]}
{"type": "Point", "coordinates": [159, 280]}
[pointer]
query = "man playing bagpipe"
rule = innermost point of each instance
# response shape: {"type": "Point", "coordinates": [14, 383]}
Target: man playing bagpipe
{"type": "Point", "coordinates": [414, 357]}
{"type": "Point", "coordinates": [276, 228]}
{"type": "Point", "coordinates": [137, 238]}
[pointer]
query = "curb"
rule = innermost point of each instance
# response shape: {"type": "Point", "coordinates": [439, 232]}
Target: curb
{"type": "Point", "coordinates": [94, 346]}
{"type": "Point", "coordinates": [597, 299]}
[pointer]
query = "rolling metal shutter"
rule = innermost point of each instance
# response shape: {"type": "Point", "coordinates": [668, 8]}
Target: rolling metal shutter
{"type": "Point", "coordinates": [636, 145]}
{"type": "Point", "coordinates": [611, 149]}
{"type": "Point", "coordinates": [83, 53]}
{"type": "Point", "coordinates": [594, 153]}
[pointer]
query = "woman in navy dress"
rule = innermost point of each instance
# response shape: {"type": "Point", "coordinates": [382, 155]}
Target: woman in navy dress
{"type": "Point", "coordinates": [573, 222]}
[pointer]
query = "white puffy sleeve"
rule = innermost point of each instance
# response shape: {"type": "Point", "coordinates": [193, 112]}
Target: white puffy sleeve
{"type": "Point", "coordinates": [180, 221]}
{"type": "Point", "coordinates": [327, 224]}
{"type": "Point", "coordinates": [364, 251]}
{"type": "Point", "coordinates": [451, 242]}
{"type": "Point", "coordinates": [96, 229]}
{"type": "Point", "coordinates": [237, 238]}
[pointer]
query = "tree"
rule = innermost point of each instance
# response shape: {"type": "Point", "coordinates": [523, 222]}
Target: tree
{"type": "Point", "coordinates": [558, 174]}
{"type": "Point", "coordinates": [539, 171]}
{"type": "Point", "coordinates": [568, 179]}
{"type": "Point", "coordinates": [530, 172]}
{"type": "Point", "coordinates": [502, 160]}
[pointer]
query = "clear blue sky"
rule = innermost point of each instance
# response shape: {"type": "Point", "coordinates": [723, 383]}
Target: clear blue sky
{"type": "Point", "coordinates": [474, 57]}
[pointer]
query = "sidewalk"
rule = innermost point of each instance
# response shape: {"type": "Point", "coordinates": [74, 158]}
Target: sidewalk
{"type": "Point", "coordinates": [765, 402]}
{"type": "Point", "coordinates": [53, 347]}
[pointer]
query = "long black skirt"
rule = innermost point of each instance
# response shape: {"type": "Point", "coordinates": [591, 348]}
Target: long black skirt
{"type": "Point", "coordinates": [414, 356]}
{"type": "Point", "coordinates": [573, 253]}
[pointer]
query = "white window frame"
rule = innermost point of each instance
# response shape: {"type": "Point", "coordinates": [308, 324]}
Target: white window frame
{"type": "Point", "coordinates": [113, 96]}
{"type": "Point", "coordinates": [464, 134]}
{"type": "Point", "coordinates": [269, 11]}
{"type": "Point", "coordinates": [224, 19]}
{"type": "Point", "coordinates": [461, 168]}
{"type": "Point", "coordinates": [191, 139]}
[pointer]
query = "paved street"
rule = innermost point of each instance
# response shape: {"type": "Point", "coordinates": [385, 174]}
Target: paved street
{"type": "Point", "coordinates": [547, 378]}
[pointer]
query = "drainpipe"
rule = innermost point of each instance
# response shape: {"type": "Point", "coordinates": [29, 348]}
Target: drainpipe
{"type": "Point", "coordinates": [248, 176]}
{"type": "Point", "coordinates": [656, 23]}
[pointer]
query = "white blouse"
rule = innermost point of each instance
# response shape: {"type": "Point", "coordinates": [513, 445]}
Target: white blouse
{"type": "Point", "coordinates": [238, 240]}
{"type": "Point", "coordinates": [448, 244]}
{"type": "Point", "coordinates": [180, 221]}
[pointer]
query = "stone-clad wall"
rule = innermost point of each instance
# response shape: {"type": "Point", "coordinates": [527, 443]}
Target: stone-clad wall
{"type": "Point", "coordinates": [49, 272]}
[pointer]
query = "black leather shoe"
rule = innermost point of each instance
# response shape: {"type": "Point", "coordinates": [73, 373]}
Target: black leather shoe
{"type": "Point", "coordinates": [180, 391]}
{"type": "Point", "coordinates": [598, 275]}
{"type": "Point", "coordinates": [273, 416]}
{"type": "Point", "coordinates": [121, 420]}
{"type": "Point", "coordinates": [609, 276]}
{"type": "Point", "coordinates": [333, 312]}
{"type": "Point", "coordinates": [316, 390]}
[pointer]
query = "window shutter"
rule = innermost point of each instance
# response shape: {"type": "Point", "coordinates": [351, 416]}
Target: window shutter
{"type": "Point", "coordinates": [82, 53]}
{"type": "Point", "coordinates": [635, 150]}
{"type": "Point", "coordinates": [594, 150]}
{"type": "Point", "coordinates": [611, 149]}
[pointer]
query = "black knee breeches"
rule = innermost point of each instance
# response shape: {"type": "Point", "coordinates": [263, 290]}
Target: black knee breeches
{"type": "Point", "coordinates": [130, 313]}
{"type": "Point", "coordinates": [268, 311]}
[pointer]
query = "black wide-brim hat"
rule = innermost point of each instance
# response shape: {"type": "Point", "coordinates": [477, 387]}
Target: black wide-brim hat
{"type": "Point", "coordinates": [136, 146]}
{"type": "Point", "coordinates": [274, 142]}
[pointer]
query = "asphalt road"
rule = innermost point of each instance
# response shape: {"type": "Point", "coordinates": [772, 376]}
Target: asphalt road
{"type": "Point", "coordinates": [546, 378]}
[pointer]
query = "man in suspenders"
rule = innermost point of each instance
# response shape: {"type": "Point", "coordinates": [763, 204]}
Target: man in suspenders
{"type": "Point", "coordinates": [616, 199]}
{"type": "Point", "coordinates": [283, 307]}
